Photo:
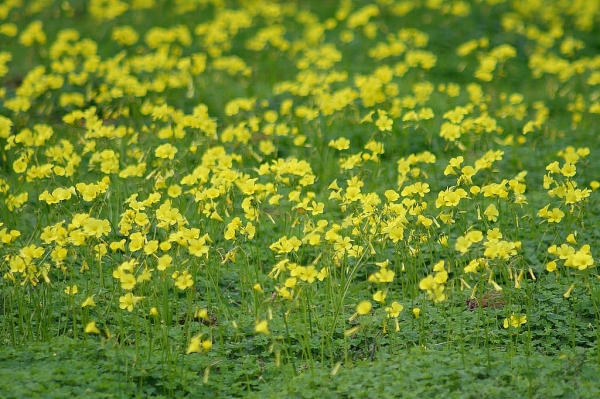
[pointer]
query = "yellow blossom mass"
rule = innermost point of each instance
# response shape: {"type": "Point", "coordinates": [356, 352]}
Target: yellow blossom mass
{"type": "Point", "coordinates": [230, 180]}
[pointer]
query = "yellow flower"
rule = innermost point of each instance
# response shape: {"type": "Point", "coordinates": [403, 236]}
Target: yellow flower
{"type": "Point", "coordinates": [117, 245]}
{"type": "Point", "coordinates": [197, 345]}
{"type": "Point", "coordinates": [202, 313]}
{"type": "Point", "coordinates": [394, 309]}
{"type": "Point", "coordinates": [166, 151]}
{"type": "Point", "coordinates": [323, 273]}
{"type": "Point", "coordinates": [89, 301]}
{"type": "Point", "coordinates": [33, 33]}
{"type": "Point", "coordinates": [555, 215]}
{"type": "Point", "coordinates": [151, 247]}
{"type": "Point", "coordinates": [124, 35]}
{"type": "Point", "coordinates": [91, 328]}
{"type": "Point", "coordinates": [262, 327]}
{"type": "Point", "coordinates": [567, 293]}
{"type": "Point", "coordinates": [379, 296]}
{"type": "Point", "coordinates": [491, 213]}
{"type": "Point", "coordinates": [384, 123]}
{"type": "Point", "coordinates": [581, 259]}
{"type": "Point", "coordinates": [174, 191]}
{"type": "Point", "coordinates": [515, 321]}
{"type": "Point", "coordinates": [145, 275]}
{"type": "Point", "coordinates": [128, 301]}
{"type": "Point", "coordinates": [96, 227]}
{"type": "Point", "coordinates": [257, 287]}
{"type": "Point", "coordinates": [463, 244]}
{"type": "Point", "coordinates": [363, 308]}
{"type": "Point", "coordinates": [164, 262]}
{"type": "Point", "coordinates": [551, 266]}
{"type": "Point", "coordinates": [136, 241]}
{"type": "Point", "coordinates": [20, 165]}
{"type": "Point", "coordinates": [340, 144]}
{"type": "Point", "coordinates": [71, 290]}
{"type": "Point", "coordinates": [427, 283]}
{"type": "Point", "coordinates": [127, 281]}
{"type": "Point", "coordinates": [568, 170]}
{"type": "Point", "coordinates": [184, 281]}
{"type": "Point", "coordinates": [368, 117]}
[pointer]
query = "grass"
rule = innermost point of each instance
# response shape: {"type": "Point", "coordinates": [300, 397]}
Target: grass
{"type": "Point", "coordinates": [69, 369]}
{"type": "Point", "coordinates": [299, 199]}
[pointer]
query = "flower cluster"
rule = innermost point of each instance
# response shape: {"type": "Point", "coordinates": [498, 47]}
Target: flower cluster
{"type": "Point", "coordinates": [152, 171]}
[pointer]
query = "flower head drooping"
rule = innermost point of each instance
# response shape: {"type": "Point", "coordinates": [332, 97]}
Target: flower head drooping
{"type": "Point", "coordinates": [91, 328]}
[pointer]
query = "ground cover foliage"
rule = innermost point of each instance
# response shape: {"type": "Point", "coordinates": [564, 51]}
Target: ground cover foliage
{"type": "Point", "coordinates": [299, 199]}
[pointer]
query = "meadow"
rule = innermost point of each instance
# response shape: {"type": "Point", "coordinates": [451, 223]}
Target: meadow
{"type": "Point", "coordinates": [332, 199]}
